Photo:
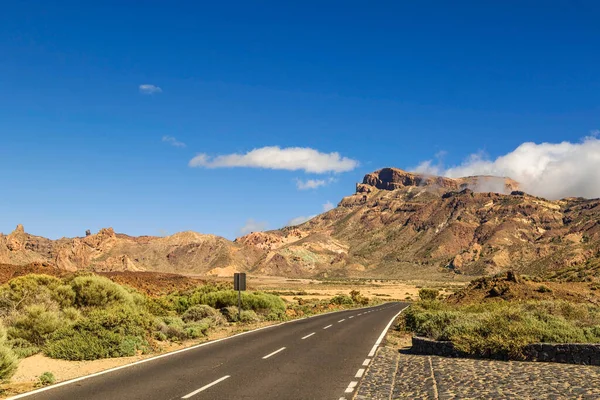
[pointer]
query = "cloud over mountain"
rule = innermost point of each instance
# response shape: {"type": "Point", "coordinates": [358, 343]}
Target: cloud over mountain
{"type": "Point", "coordinates": [550, 170]}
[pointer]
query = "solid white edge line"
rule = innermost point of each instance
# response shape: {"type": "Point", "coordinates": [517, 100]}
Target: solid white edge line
{"type": "Point", "coordinates": [359, 373]}
{"type": "Point", "coordinates": [328, 326]}
{"type": "Point", "coordinates": [187, 396]}
{"type": "Point", "coordinates": [378, 342]}
{"type": "Point", "coordinates": [307, 336]}
{"type": "Point", "coordinates": [273, 353]}
{"type": "Point", "coordinates": [106, 371]}
{"type": "Point", "coordinates": [373, 350]}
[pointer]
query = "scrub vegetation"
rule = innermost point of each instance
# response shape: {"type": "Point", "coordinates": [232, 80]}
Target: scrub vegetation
{"type": "Point", "coordinates": [88, 317]}
{"type": "Point", "coordinates": [503, 328]}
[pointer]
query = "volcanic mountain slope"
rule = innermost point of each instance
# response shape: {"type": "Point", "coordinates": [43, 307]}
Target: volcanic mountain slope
{"type": "Point", "coordinates": [184, 252]}
{"type": "Point", "coordinates": [405, 225]}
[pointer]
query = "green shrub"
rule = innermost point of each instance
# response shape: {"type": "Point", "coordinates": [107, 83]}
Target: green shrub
{"type": "Point", "coordinates": [231, 313]}
{"type": "Point", "coordinates": [428, 294]}
{"type": "Point", "coordinates": [256, 301]}
{"type": "Point", "coordinates": [200, 312]}
{"type": "Point", "coordinates": [46, 379]}
{"type": "Point", "coordinates": [342, 300]}
{"type": "Point", "coordinates": [544, 289]}
{"type": "Point", "coordinates": [27, 290]}
{"type": "Point", "coordinates": [503, 328]}
{"type": "Point", "coordinates": [34, 324]}
{"type": "Point", "coordinates": [8, 363]}
{"type": "Point", "coordinates": [76, 345]}
{"type": "Point", "coordinates": [248, 316]}
{"type": "Point", "coordinates": [196, 330]}
{"type": "Point", "coordinates": [22, 348]}
{"type": "Point", "coordinates": [97, 291]}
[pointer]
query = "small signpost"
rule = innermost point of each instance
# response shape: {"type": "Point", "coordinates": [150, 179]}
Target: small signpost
{"type": "Point", "coordinates": [239, 284]}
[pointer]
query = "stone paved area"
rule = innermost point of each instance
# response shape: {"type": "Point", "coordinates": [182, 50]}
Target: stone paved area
{"type": "Point", "coordinates": [393, 375]}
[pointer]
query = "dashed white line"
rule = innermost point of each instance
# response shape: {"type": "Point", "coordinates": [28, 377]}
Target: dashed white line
{"type": "Point", "coordinates": [342, 320]}
{"type": "Point", "coordinates": [328, 326]}
{"type": "Point", "coordinates": [366, 362]}
{"type": "Point", "coordinates": [187, 396]}
{"type": "Point", "coordinates": [352, 316]}
{"type": "Point", "coordinates": [351, 386]}
{"type": "Point", "coordinates": [307, 336]}
{"type": "Point", "coordinates": [273, 353]}
{"type": "Point", "coordinates": [359, 373]}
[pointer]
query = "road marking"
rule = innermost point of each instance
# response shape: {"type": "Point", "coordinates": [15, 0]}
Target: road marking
{"type": "Point", "coordinates": [366, 362]}
{"type": "Point", "coordinates": [373, 350]}
{"type": "Point", "coordinates": [172, 353]}
{"type": "Point", "coordinates": [328, 326]}
{"type": "Point", "coordinates": [273, 353]}
{"type": "Point", "coordinates": [359, 314]}
{"type": "Point", "coordinates": [342, 320]}
{"type": "Point", "coordinates": [351, 386]}
{"type": "Point", "coordinates": [359, 373]}
{"type": "Point", "coordinates": [352, 316]}
{"type": "Point", "coordinates": [307, 336]}
{"type": "Point", "coordinates": [195, 392]}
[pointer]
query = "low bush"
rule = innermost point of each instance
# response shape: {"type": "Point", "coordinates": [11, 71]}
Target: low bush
{"type": "Point", "coordinates": [201, 312]}
{"type": "Point", "coordinates": [46, 379]}
{"type": "Point", "coordinates": [428, 294]}
{"type": "Point", "coordinates": [342, 300]}
{"type": "Point", "coordinates": [97, 291]}
{"type": "Point", "coordinates": [248, 316]}
{"type": "Point", "coordinates": [34, 324]}
{"type": "Point", "coordinates": [503, 328]}
{"type": "Point", "coordinates": [8, 363]}
{"type": "Point", "coordinates": [22, 348]}
{"type": "Point", "coordinates": [231, 313]}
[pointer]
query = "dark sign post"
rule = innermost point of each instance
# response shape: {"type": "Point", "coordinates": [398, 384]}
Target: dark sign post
{"type": "Point", "coordinates": [239, 284]}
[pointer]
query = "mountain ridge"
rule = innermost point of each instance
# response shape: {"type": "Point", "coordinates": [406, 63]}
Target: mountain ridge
{"type": "Point", "coordinates": [397, 224]}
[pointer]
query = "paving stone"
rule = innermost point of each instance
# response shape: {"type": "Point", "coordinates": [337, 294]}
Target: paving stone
{"type": "Point", "coordinates": [393, 375]}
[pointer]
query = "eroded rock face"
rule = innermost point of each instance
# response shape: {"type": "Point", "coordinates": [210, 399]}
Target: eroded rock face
{"type": "Point", "coordinates": [394, 178]}
{"type": "Point", "coordinates": [106, 250]}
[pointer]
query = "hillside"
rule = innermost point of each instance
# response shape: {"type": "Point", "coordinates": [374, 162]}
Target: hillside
{"type": "Point", "coordinates": [403, 225]}
{"type": "Point", "coordinates": [396, 225]}
{"type": "Point", "coordinates": [184, 252]}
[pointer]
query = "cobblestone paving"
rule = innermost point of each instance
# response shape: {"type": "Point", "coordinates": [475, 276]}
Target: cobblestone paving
{"type": "Point", "coordinates": [393, 375]}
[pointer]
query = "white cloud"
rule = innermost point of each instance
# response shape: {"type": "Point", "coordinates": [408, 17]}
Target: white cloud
{"type": "Point", "coordinates": [172, 141]}
{"type": "Point", "coordinates": [299, 220]}
{"type": "Point", "coordinates": [253, 226]}
{"type": "Point", "coordinates": [274, 157]}
{"type": "Point", "coordinates": [328, 206]}
{"type": "Point", "coordinates": [550, 170]}
{"type": "Point", "coordinates": [302, 219]}
{"type": "Point", "coordinates": [149, 89]}
{"type": "Point", "coordinates": [313, 183]}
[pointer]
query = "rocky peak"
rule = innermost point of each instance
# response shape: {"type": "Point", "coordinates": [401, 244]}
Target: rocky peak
{"type": "Point", "coordinates": [19, 229]}
{"type": "Point", "coordinates": [394, 178]}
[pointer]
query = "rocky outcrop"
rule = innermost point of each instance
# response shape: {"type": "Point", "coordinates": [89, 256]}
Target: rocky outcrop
{"type": "Point", "coordinates": [394, 178]}
{"type": "Point", "coordinates": [107, 251]}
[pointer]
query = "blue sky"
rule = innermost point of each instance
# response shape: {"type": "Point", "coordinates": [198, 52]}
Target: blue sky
{"type": "Point", "coordinates": [379, 83]}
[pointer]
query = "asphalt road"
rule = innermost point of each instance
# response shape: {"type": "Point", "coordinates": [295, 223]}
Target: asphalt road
{"type": "Point", "coordinates": [318, 358]}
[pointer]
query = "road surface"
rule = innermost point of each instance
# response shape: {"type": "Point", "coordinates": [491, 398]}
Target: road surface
{"type": "Point", "coordinates": [319, 358]}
